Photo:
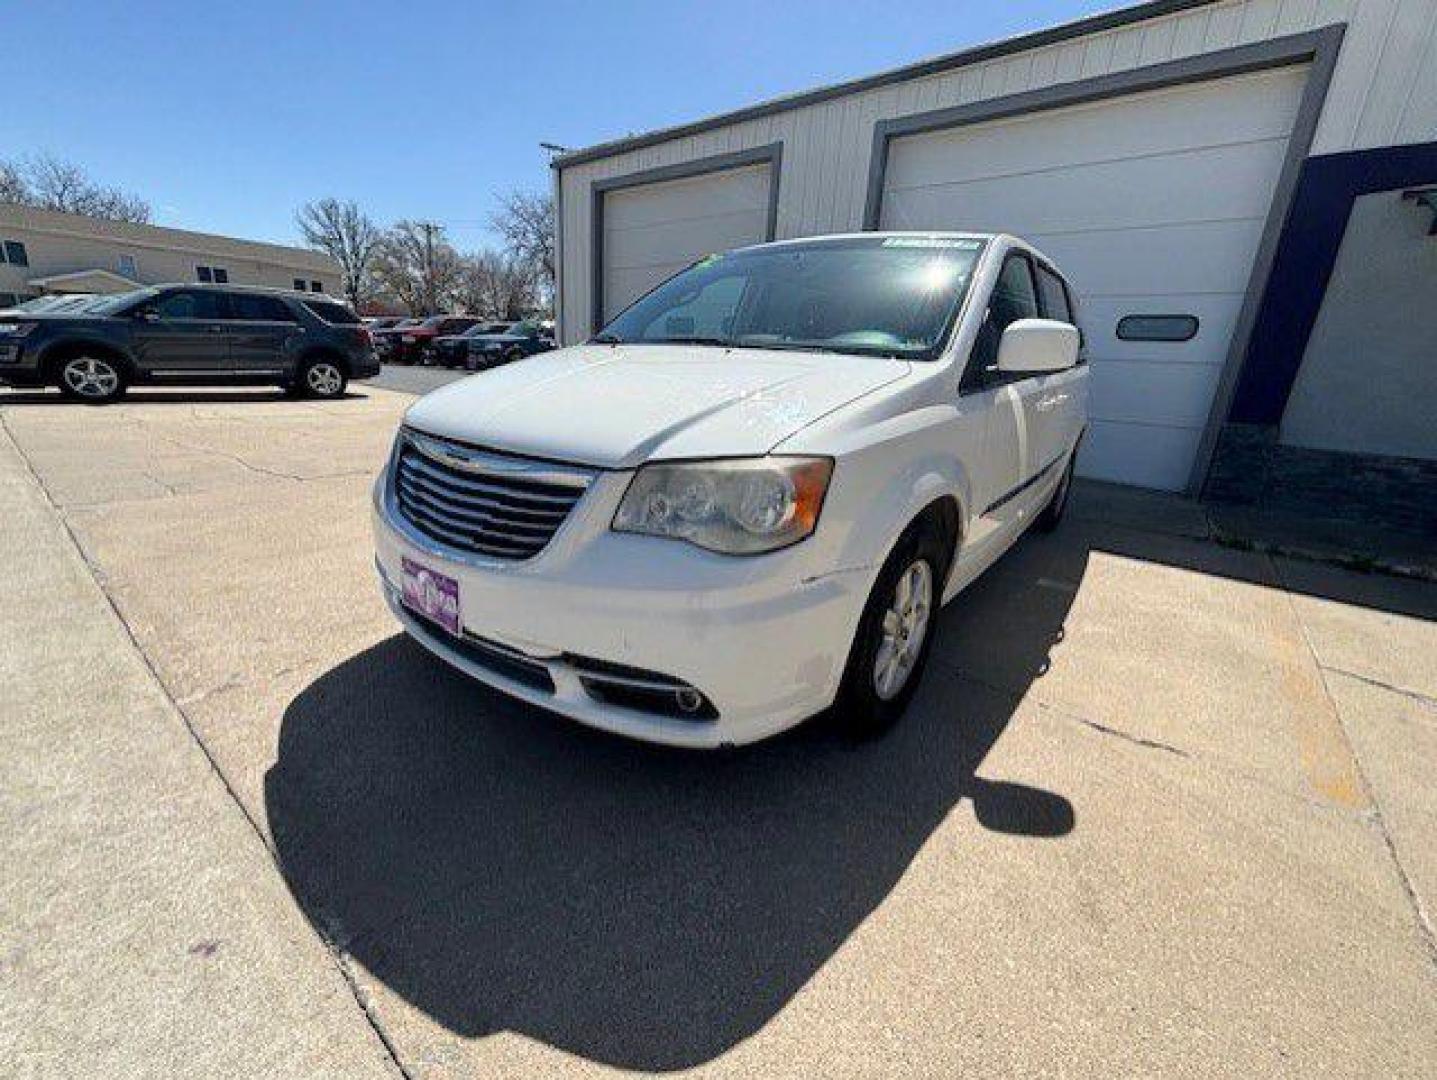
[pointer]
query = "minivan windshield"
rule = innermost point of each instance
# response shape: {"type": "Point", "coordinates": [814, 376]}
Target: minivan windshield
{"type": "Point", "coordinates": [883, 295]}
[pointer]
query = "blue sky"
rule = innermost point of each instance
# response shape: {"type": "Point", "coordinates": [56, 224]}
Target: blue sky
{"type": "Point", "coordinates": [227, 116]}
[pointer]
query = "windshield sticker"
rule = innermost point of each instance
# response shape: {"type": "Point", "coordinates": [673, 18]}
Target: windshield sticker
{"type": "Point", "coordinates": [932, 242]}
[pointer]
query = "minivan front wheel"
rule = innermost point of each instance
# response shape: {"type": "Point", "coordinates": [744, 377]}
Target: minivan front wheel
{"type": "Point", "coordinates": [91, 379]}
{"type": "Point", "coordinates": [895, 634]}
{"type": "Point", "coordinates": [321, 378]}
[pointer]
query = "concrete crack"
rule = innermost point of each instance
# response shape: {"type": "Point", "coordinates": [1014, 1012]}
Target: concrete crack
{"type": "Point", "coordinates": [1425, 928]}
{"type": "Point", "coordinates": [1413, 695]}
{"type": "Point", "coordinates": [1136, 740]}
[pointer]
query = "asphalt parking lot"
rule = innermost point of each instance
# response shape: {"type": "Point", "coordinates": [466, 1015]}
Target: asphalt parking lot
{"type": "Point", "coordinates": [1161, 806]}
{"type": "Point", "coordinates": [412, 379]}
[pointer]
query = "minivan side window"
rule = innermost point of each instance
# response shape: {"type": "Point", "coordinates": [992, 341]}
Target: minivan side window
{"type": "Point", "coordinates": [1014, 297]}
{"type": "Point", "coordinates": [1054, 296]}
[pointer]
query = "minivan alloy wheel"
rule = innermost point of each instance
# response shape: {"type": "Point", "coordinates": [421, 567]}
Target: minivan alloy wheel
{"type": "Point", "coordinates": [91, 377]}
{"type": "Point", "coordinates": [904, 627]}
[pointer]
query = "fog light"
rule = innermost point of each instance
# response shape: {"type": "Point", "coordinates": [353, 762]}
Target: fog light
{"type": "Point", "coordinates": [690, 701]}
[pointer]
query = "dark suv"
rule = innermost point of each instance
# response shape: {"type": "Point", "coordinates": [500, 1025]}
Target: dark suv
{"type": "Point", "coordinates": [188, 335]}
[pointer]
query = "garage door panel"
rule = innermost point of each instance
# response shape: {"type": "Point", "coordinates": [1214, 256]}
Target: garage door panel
{"type": "Point", "coordinates": [679, 200]}
{"type": "Point", "coordinates": [668, 241]}
{"type": "Point", "coordinates": [626, 286]}
{"type": "Point", "coordinates": [1146, 455]}
{"type": "Point", "coordinates": [1114, 194]}
{"type": "Point", "coordinates": [1153, 204]}
{"type": "Point", "coordinates": [1144, 391]}
{"type": "Point", "coordinates": [1229, 111]}
{"type": "Point", "coordinates": [651, 231]}
{"type": "Point", "coordinates": [1216, 316]}
{"type": "Point", "coordinates": [1213, 257]}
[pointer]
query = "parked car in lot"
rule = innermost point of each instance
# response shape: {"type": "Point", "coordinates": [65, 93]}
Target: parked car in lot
{"type": "Point", "coordinates": [745, 500]}
{"type": "Point", "coordinates": [452, 349]}
{"type": "Point", "coordinates": [188, 335]}
{"type": "Point", "coordinates": [404, 344]}
{"type": "Point", "coordinates": [514, 342]}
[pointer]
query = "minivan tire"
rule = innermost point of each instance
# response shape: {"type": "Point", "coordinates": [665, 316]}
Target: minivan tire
{"type": "Point", "coordinates": [91, 379]}
{"type": "Point", "coordinates": [320, 377]}
{"type": "Point", "coordinates": [861, 709]}
{"type": "Point", "coordinates": [1052, 514]}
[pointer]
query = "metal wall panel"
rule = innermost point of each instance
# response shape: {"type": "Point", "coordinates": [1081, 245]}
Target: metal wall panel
{"type": "Point", "coordinates": [1384, 90]}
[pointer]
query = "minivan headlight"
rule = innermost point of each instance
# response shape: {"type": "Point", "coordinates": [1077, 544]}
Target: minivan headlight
{"type": "Point", "coordinates": [737, 507]}
{"type": "Point", "coordinates": [16, 329]}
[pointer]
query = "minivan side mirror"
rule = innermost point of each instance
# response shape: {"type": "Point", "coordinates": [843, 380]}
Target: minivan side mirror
{"type": "Point", "coordinates": [1033, 346]}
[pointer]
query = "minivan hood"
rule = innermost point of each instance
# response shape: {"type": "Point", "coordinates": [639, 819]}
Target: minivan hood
{"type": "Point", "coordinates": [616, 406]}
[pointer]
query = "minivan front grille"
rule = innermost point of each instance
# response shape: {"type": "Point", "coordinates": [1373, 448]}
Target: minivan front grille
{"type": "Point", "coordinates": [482, 503]}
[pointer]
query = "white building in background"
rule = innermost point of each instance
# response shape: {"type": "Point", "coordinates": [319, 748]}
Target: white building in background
{"type": "Point", "coordinates": [44, 251]}
{"type": "Point", "coordinates": [1193, 165]}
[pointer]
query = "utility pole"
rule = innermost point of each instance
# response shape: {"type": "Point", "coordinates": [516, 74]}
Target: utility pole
{"type": "Point", "coordinates": [431, 301]}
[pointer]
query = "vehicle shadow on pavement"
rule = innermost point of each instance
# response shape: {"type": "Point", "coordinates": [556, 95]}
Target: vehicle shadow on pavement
{"type": "Point", "coordinates": [504, 869]}
{"type": "Point", "coordinates": [163, 397]}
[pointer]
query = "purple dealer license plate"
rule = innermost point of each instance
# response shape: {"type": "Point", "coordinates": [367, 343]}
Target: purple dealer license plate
{"type": "Point", "coordinates": [431, 594]}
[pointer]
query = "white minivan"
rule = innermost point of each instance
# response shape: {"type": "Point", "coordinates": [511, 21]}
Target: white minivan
{"type": "Point", "coordinates": [745, 499]}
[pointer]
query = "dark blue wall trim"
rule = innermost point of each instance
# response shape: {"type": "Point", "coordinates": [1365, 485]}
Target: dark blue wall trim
{"type": "Point", "coordinates": [1303, 264]}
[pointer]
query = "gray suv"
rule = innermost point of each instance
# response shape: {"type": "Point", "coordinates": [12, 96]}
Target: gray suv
{"type": "Point", "coordinates": [188, 335]}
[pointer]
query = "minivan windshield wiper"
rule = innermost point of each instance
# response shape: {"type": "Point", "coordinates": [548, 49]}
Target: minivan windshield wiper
{"type": "Point", "coordinates": [883, 351]}
{"type": "Point", "coordinates": [606, 339]}
{"type": "Point", "coordinates": [686, 341]}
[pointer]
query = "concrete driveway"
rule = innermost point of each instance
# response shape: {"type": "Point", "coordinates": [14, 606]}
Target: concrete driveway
{"type": "Point", "coordinates": [1161, 807]}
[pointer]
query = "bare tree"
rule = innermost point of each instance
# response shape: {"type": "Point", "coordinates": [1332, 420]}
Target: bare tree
{"type": "Point", "coordinates": [526, 222]}
{"type": "Point", "coordinates": [14, 188]}
{"type": "Point", "coordinates": [53, 184]}
{"type": "Point", "coordinates": [495, 285]}
{"type": "Point", "coordinates": [346, 234]}
{"type": "Point", "coordinates": [417, 264]}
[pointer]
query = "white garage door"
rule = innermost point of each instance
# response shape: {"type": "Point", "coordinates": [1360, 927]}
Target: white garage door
{"type": "Point", "coordinates": [655, 230]}
{"type": "Point", "coordinates": [1152, 204]}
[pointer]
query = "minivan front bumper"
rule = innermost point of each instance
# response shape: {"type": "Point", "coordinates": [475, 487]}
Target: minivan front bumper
{"type": "Point", "coordinates": [762, 640]}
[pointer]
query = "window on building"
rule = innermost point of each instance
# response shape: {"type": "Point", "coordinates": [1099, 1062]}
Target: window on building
{"type": "Point", "coordinates": [252, 308]}
{"type": "Point", "coordinates": [316, 286]}
{"type": "Point", "coordinates": [212, 275]}
{"type": "Point", "coordinates": [1157, 327]}
{"type": "Point", "coordinates": [9, 299]}
{"type": "Point", "coordinates": [299, 284]}
{"type": "Point", "coordinates": [15, 253]}
{"type": "Point", "coordinates": [126, 266]}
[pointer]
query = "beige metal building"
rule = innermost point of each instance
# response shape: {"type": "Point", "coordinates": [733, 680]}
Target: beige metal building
{"type": "Point", "coordinates": [44, 251]}
{"type": "Point", "coordinates": [1242, 192]}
